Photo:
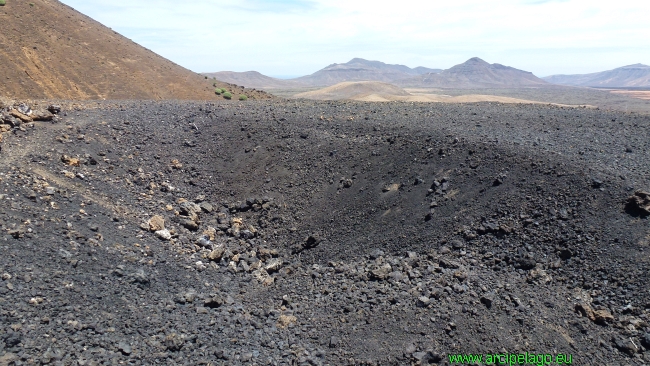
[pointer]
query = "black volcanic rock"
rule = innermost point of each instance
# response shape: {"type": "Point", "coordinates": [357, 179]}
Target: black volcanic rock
{"type": "Point", "coordinates": [373, 283]}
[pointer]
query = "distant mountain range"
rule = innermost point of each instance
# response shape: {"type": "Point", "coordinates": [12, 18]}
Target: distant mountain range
{"type": "Point", "coordinates": [637, 75]}
{"type": "Point", "coordinates": [359, 69]}
{"type": "Point", "coordinates": [253, 79]}
{"type": "Point", "coordinates": [356, 69]}
{"type": "Point", "coordinates": [475, 73]}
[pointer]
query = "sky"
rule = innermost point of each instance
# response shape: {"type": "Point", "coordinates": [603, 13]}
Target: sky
{"type": "Point", "coordinates": [285, 38]}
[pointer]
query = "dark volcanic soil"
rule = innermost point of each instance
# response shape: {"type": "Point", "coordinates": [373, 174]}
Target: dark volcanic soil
{"type": "Point", "coordinates": [309, 233]}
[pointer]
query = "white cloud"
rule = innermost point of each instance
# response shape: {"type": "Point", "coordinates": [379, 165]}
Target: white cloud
{"type": "Point", "coordinates": [296, 37]}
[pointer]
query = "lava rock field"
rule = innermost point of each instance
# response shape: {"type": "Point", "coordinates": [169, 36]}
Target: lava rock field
{"type": "Point", "coordinates": [323, 233]}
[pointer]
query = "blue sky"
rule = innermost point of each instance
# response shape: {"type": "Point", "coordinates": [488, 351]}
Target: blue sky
{"type": "Point", "coordinates": [298, 37]}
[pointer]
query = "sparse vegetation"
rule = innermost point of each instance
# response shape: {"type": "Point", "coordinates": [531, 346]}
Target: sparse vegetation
{"type": "Point", "coordinates": [227, 95]}
{"type": "Point", "coordinates": [217, 91]}
{"type": "Point", "coordinates": [223, 90]}
{"type": "Point", "coordinates": [243, 97]}
{"type": "Point", "coordinates": [3, 2]}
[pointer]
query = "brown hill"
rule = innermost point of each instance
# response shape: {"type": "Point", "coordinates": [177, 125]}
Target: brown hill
{"type": "Point", "coordinates": [359, 69]}
{"type": "Point", "coordinates": [253, 79]}
{"type": "Point", "coordinates": [475, 73]}
{"type": "Point", "coordinates": [631, 76]}
{"type": "Point", "coordinates": [354, 90]}
{"type": "Point", "coordinates": [50, 50]}
{"type": "Point", "coordinates": [375, 91]}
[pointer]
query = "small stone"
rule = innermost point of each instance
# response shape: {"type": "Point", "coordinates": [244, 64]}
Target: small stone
{"type": "Point", "coordinates": [204, 242]}
{"type": "Point", "coordinates": [210, 233]}
{"type": "Point", "coordinates": [35, 300]}
{"type": "Point", "coordinates": [285, 320]}
{"type": "Point", "coordinates": [125, 348]}
{"type": "Point", "coordinates": [189, 208]}
{"type": "Point", "coordinates": [12, 339]}
{"type": "Point", "coordinates": [246, 234]}
{"type": "Point", "coordinates": [596, 183]}
{"type": "Point", "coordinates": [70, 161]}
{"type": "Point", "coordinates": [164, 234]}
{"type": "Point", "coordinates": [174, 342]}
{"type": "Point", "coordinates": [50, 190]}
{"type": "Point", "coordinates": [274, 265]}
{"type": "Point", "coordinates": [487, 300]}
{"type": "Point", "coordinates": [376, 253]}
{"type": "Point", "coordinates": [216, 254]}
{"type": "Point", "coordinates": [156, 223]}
{"type": "Point", "coordinates": [334, 341]}
{"type": "Point", "coordinates": [54, 108]}
{"type": "Point", "coordinates": [423, 302]}
{"type": "Point", "coordinates": [639, 203]}
{"type": "Point", "coordinates": [410, 349]}
{"type": "Point", "coordinates": [645, 340]}
{"type": "Point", "coordinates": [206, 207]}
{"type": "Point", "coordinates": [213, 302]}
{"type": "Point", "coordinates": [381, 272]}
{"type": "Point", "coordinates": [189, 224]}
{"type": "Point", "coordinates": [446, 263]}
{"type": "Point", "coordinates": [626, 345]}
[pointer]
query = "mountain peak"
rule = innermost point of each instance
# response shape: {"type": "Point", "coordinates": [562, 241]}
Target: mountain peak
{"type": "Point", "coordinates": [476, 60]}
{"type": "Point", "coordinates": [359, 60]}
{"type": "Point", "coordinates": [636, 66]}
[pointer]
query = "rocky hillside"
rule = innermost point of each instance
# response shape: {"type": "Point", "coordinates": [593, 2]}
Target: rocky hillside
{"type": "Point", "coordinates": [49, 50]}
{"type": "Point", "coordinates": [631, 76]}
{"type": "Point", "coordinates": [475, 73]}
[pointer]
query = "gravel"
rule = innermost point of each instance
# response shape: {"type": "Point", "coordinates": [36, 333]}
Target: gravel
{"type": "Point", "coordinates": [296, 232]}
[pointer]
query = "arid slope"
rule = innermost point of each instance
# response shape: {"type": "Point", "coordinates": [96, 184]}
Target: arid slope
{"type": "Point", "coordinates": [50, 50]}
{"type": "Point", "coordinates": [631, 76]}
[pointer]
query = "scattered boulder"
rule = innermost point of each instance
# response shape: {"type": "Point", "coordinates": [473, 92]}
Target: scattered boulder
{"type": "Point", "coordinates": [164, 234]}
{"type": "Point", "coordinates": [286, 320]}
{"type": "Point", "coordinates": [381, 272]}
{"type": "Point", "coordinates": [156, 223]}
{"type": "Point", "coordinates": [42, 115]}
{"type": "Point", "coordinates": [216, 254]}
{"type": "Point", "coordinates": [639, 203]}
{"type": "Point", "coordinates": [488, 300]}
{"type": "Point", "coordinates": [54, 108]}
{"type": "Point", "coordinates": [597, 316]}
{"type": "Point", "coordinates": [70, 161]}
{"type": "Point", "coordinates": [21, 116]}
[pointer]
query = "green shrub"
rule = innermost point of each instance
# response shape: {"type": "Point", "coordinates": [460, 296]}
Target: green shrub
{"type": "Point", "coordinates": [223, 90]}
{"type": "Point", "coordinates": [243, 97]}
{"type": "Point", "coordinates": [217, 91]}
{"type": "Point", "coordinates": [3, 2]}
{"type": "Point", "coordinates": [227, 95]}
